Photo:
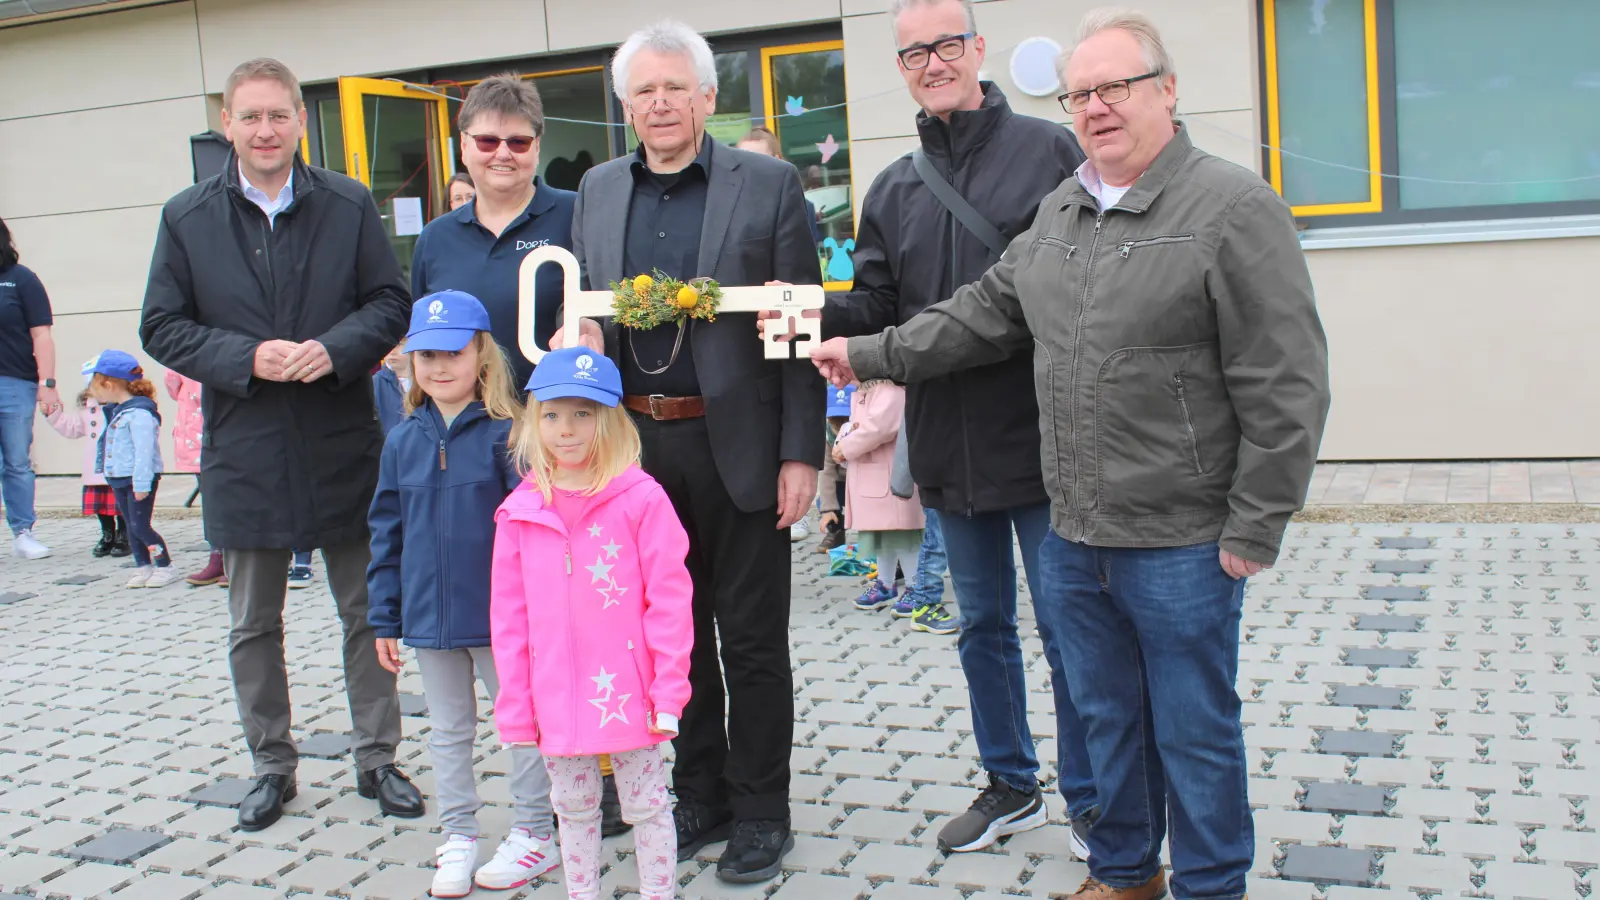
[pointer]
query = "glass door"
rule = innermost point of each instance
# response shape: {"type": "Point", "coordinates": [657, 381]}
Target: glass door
{"type": "Point", "coordinates": [805, 89]}
{"type": "Point", "coordinates": [397, 143]}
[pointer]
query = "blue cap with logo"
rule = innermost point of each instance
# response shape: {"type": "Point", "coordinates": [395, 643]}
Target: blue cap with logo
{"type": "Point", "coordinates": [116, 364]}
{"type": "Point", "coordinates": [445, 320]}
{"type": "Point", "coordinates": [577, 372]}
{"type": "Point", "coordinates": [839, 401]}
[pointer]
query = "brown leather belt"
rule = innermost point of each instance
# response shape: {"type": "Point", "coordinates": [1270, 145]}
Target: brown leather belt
{"type": "Point", "coordinates": [666, 409]}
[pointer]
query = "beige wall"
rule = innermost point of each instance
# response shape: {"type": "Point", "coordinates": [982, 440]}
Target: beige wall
{"type": "Point", "coordinates": [1426, 359]}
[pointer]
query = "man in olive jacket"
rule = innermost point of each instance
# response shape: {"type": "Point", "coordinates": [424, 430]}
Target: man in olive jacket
{"type": "Point", "coordinates": [274, 286]}
{"type": "Point", "coordinates": [1182, 378]}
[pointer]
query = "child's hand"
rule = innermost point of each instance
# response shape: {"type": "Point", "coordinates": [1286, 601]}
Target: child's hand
{"type": "Point", "coordinates": [140, 497]}
{"type": "Point", "coordinates": [664, 724]}
{"type": "Point", "coordinates": [389, 654]}
{"type": "Point", "coordinates": [838, 455]}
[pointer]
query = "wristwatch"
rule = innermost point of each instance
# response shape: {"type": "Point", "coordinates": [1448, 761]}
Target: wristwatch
{"type": "Point", "coordinates": [50, 383]}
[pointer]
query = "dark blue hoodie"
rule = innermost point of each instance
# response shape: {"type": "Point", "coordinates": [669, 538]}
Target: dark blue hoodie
{"type": "Point", "coordinates": [432, 522]}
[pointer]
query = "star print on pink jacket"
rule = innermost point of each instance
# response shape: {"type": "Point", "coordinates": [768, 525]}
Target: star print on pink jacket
{"type": "Point", "coordinates": [591, 630]}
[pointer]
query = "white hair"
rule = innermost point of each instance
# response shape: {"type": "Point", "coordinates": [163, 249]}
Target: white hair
{"type": "Point", "coordinates": [1139, 25]}
{"type": "Point", "coordinates": [896, 7]}
{"type": "Point", "coordinates": [665, 36]}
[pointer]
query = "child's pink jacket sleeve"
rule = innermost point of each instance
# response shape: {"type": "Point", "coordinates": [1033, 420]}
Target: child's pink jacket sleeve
{"type": "Point", "coordinates": [877, 419]}
{"type": "Point", "coordinates": [508, 635]}
{"type": "Point", "coordinates": [668, 602]}
{"type": "Point", "coordinates": [70, 423]}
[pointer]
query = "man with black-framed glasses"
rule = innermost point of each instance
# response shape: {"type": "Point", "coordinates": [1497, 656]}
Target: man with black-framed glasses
{"type": "Point", "coordinates": [973, 435]}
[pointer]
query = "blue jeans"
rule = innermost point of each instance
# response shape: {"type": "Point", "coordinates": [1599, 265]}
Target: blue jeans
{"type": "Point", "coordinates": [931, 565]}
{"type": "Point", "coordinates": [1152, 664]}
{"type": "Point", "coordinates": [984, 571]}
{"type": "Point", "coordinates": [149, 549]}
{"type": "Point", "coordinates": [18, 400]}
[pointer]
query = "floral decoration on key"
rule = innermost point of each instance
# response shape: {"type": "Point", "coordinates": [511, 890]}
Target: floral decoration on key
{"type": "Point", "coordinates": [648, 301]}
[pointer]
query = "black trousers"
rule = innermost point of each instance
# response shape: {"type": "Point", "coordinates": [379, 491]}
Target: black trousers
{"type": "Point", "coordinates": [739, 759]}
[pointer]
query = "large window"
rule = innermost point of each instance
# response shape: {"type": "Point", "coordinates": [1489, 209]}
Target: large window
{"type": "Point", "coordinates": [805, 109]}
{"type": "Point", "coordinates": [1424, 110]}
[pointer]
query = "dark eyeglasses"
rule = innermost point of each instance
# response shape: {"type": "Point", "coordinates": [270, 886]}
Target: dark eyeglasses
{"type": "Point", "coordinates": [917, 56]}
{"type": "Point", "coordinates": [1111, 92]}
{"type": "Point", "coordinates": [489, 143]}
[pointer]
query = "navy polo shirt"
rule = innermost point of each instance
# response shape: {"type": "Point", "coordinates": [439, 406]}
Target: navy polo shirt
{"type": "Point", "coordinates": [24, 306]}
{"type": "Point", "coordinates": [454, 252]}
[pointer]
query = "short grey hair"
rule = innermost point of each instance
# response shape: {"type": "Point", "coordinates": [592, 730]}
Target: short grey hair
{"type": "Point", "coordinates": [896, 7]}
{"type": "Point", "coordinates": [1106, 18]}
{"type": "Point", "coordinates": [665, 36]}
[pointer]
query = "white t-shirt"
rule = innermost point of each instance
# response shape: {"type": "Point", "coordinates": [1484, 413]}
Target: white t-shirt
{"type": "Point", "coordinates": [1110, 195]}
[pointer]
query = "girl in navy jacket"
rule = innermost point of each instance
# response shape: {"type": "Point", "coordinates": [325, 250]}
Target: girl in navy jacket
{"type": "Point", "coordinates": [445, 471]}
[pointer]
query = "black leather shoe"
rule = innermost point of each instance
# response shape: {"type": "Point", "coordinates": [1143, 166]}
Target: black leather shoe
{"type": "Point", "coordinates": [395, 793]}
{"type": "Point", "coordinates": [264, 804]}
{"type": "Point", "coordinates": [698, 825]}
{"type": "Point", "coordinates": [611, 823]}
{"type": "Point", "coordinates": [755, 851]}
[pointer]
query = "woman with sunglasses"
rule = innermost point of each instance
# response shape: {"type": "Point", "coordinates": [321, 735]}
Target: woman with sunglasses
{"type": "Point", "coordinates": [477, 247]}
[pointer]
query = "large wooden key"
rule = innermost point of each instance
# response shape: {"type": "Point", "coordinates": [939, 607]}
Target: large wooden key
{"type": "Point", "coordinates": [799, 307]}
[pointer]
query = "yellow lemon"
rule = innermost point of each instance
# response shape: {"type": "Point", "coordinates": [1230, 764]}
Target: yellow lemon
{"type": "Point", "coordinates": [642, 284]}
{"type": "Point", "coordinates": [688, 297]}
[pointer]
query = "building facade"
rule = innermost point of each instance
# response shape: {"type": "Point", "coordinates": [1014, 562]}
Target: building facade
{"type": "Point", "coordinates": [1437, 153]}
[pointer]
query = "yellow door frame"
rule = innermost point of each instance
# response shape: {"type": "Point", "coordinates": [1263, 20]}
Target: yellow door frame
{"type": "Point", "coordinates": [353, 113]}
{"type": "Point", "coordinates": [1374, 201]}
{"type": "Point", "coordinates": [769, 88]}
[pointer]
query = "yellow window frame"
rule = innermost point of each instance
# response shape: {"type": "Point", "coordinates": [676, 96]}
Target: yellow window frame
{"type": "Point", "coordinates": [352, 112]}
{"type": "Point", "coordinates": [769, 89]}
{"type": "Point", "coordinates": [1374, 203]}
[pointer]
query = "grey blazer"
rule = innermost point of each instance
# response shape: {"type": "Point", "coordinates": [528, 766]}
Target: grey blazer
{"type": "Point", "coordinates": [759, 412]}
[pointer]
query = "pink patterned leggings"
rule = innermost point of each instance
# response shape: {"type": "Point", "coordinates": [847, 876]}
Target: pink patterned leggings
{"type": "Point", "coordinates": [642, 788]}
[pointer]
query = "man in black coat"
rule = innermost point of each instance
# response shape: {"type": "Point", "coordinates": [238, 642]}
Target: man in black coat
{"type": "Point", "coordinates": [735, 439]}
{"type": "Point", "coordinates": [973, 435]}
{"type": "Point", "coordinates": [273, 285]}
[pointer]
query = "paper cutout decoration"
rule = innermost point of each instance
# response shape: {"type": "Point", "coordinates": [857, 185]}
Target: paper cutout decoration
{"type": "Point", "coordinates": [840, 266]}
{"type": "Point", "coordinates": [828, 147]}
{"type": "Point", "coordinates": [795, 105]}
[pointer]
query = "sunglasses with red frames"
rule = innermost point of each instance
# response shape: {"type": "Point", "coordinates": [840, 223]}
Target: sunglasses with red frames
{"type": "Point", "coordinates": [489, 143]}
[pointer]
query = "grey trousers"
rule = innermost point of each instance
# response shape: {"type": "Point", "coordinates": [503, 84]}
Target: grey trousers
{"type": "Point", "coordinates": [257, 583]}
{"type": "Point", "coordinates": [449, 683]}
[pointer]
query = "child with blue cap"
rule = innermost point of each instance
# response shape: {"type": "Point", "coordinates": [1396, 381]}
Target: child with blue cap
{"type": "Point", "coordinates": [595, 657]}
{"type": "Point", "coordinates": [130, 459]}
{"type": "Point", "coordinates": [445, 469]}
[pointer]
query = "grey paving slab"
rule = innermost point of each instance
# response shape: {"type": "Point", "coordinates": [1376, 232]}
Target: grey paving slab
{"type": "Point", "coordinates": [325, 745]}
{"type": "Point", "coordinates": [1387, 623]}
{"type": "Point", "coordinates": [1391, 593]}
{"type": "Point", "coordinates": [1376, 657]}
{"type": "Point", "coordinates": [1401, 566]}
{"type": "Point", "coordinates": [10, 597]}
{"type": "Point", "coordinates": [1368, 696]}
{"type": "Point", "coordinates": [224, 792]}
{"type": "Point", "coordinates": [1405, 543]}
{"type": "Point", "coordinates": [1360, 799]}
{"type": "Point", "coordinates": [1357, 743]}
{"type": "Point", "coordinates": [1329, 865]}
{"type": "Point", "coordinates": [119, 846]}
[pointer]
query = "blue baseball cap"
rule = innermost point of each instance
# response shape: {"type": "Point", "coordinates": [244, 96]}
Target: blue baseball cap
{"type": "Point", "coordinates": [577, 372]}
{"type": "Point", "coordinates": [839, 400]}
{"type": "Point", "coordinates": [445, 320]}
{"type": "Point", "coordinates": [116, 364]}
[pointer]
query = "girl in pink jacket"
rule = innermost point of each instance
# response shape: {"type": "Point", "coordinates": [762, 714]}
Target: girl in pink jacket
{"type": "Point", "coordinates": [891, 528]}
{"type": "Point", "coordinates": [590, 616]}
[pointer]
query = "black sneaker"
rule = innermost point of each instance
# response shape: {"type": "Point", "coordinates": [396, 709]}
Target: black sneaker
{"type": "Point", "coordinates": [1000, 810]}
{"type": "Point", "coordinates": [755, 851]}
{"type": "Point", "coordinates": [698, 826]}
{"type": "Point", "coordinates": [611, 822]}
{"type": "Point", "coordinates": [1078, 833]}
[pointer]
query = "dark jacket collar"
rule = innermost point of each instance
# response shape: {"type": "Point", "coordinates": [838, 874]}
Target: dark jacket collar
{"type": "Point", "coordinates": [968, 130]}
{"type": "Point", "coordinates": [1149, 185]}
{"type": "Point", "coordinates": [543, 201]}
{"type": "Point", "coordinates": [302, 178]}
{"type": "Point", "coordinates": [703, 159]}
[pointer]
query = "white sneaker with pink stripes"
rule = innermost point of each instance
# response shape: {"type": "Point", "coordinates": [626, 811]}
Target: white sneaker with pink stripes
{"type": "Point", "coordinates": [521, 858]}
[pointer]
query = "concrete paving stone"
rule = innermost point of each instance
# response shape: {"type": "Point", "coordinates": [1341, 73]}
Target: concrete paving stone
{"type": "Point", "coordinates": [406, 848]}
{"type": "Point", "coordinates": [707, 886]}
{"type": "Point", "coordinates": [1328, 865]}
{"type": "Point", "coordinates": [223, 792]}
{"type": "Point", "coordinates": [1502, 842]}
{"type": "Point", "coordinates": [879, 825]}
{"type": "Point", "coordinates": [1306, 766]}
{"type": "Point", "coordinates": [395, 883]}
{"type": "Point", "coordinates": [1274, 793]}
{"type": "Point", "coordinates": [816, 818]}
{"type": "Point", "coordinates": [1357, 743]}
{"type": "Point", "coordinates": [169, 785]}
{"type": "Point", "coordinates": [1350, 799]}
{"type": "Point", "coordinates": [119, 846]}
{"type": "Point", "coordinates": [236, 891]}
{"type": "Point", "coordinates": [1430, 803]}
{"type": "Point", "coordinates": [23, 870]}
{"type": "Point", "coordinates": [1526, 881]}
{"type": "Point", "coordinates": [982, 869]}
{"type": "Point", "coordinates": [52, 772]}
{"type": "Point", "coordinates": [1519, 809]}
{"type": "Point", "coordinates": [847, 737]}
{"type": "Point", "coordinates": [185, 856]}
{"type": "Point", "coordinates": [58, 836]}
{"type": "Point", "coordinates": [894, 890]}
{"type": "Point", "coordinates": [254, 865]}
{"type": "Point", "coordinates": [1390, 833]}
{"type": "Point", "coordinates": [161, 886]}
{"type": "Point", "coordinates": [1391, 772]}
{"type": "Point", "coordinates": [343, 839]}
{"type": "Point", "coordinates": [910, 717]}
{"type": "Point", "coordinates": [325, 874]}
{"type": "Point", "coordinates": [1054, 877]}
{"type": "Point", "coordinates": [917, 741]}
{"type": "Point", "coordinates": [1568, 847]}
{"type": "Point", "coordinates": [809, 885]}
{"type": "Point", "coordinates": [833, 711]}
{"type": "Point", "coordinates": [811, 787]}
{"type": "Point", "coordinates": [1376, 657]}
{"type": "Point", "coordinates": [1423, 873]}
{"type": "Point", "coordinates": [1364, 696]}
{"type": "Point", "coordinates": [206, 823]}
{"type": "Point", "coordinates": [870, 792]}
{"type": "Point", "coordinates": [858, 762]}
{"type": "Point", "coordinates": [147, 813]}
{"type": "Point", "coordinates": [1285, 825]}
{"type": "Point", "coordinates": [813, 853]}
{"type": "Point", "coordinates": [1387, 623]}
{"type": "Point", "coordinates": [1278, 889]}
{"type": "Point", "coordinates": [937, 769]}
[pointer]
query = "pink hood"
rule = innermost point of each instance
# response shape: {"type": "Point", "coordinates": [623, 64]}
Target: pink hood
{"type": "Point", "coordinates": [592, 630]}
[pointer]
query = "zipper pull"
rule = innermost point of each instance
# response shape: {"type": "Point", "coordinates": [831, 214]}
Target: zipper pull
{"type": "Point", "coordinates": [1098, 220]}
{"type": "Point", "coordinates": [1124, 249]}
{"type": "Point", "coordinates": [569, 559]}
{"type": "Point", "coordinates": [441, 456]}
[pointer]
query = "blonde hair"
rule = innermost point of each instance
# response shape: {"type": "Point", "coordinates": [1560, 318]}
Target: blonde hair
{"type": "Point", "coordinates": [615, 449]}
{"type": "Point", "coordinates": [494, 382]}
{"type": "Point", "coordinates": [1143, 30]}
{"type": "Point", "coordinates": [264, 68]}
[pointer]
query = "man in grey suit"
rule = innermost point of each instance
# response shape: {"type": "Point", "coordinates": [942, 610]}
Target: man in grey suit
{"type": "Point", "coordinates": [736, 440]}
